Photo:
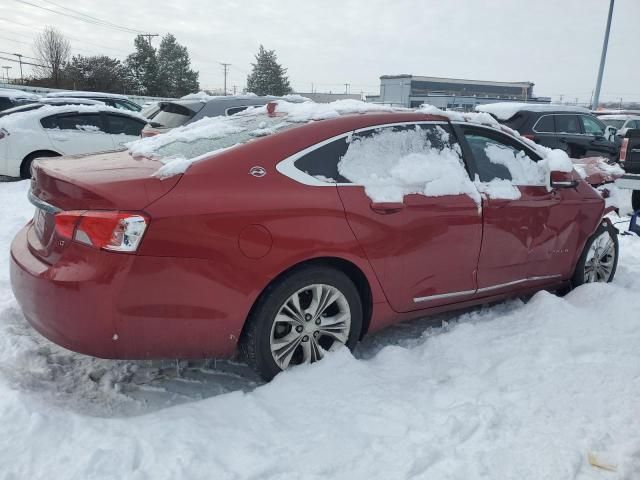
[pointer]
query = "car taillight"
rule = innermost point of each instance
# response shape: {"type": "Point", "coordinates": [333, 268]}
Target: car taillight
{"type": "Point", "coordinates": [528, 135]}
{"type": "Point", "coordinates": [149, 133]}
{"type": "Point", "coordinates": [623, 150]}
{"type": "Point", "coordinates": [3, 133]}
{"type": "Point", "coordinates": [114, 231]}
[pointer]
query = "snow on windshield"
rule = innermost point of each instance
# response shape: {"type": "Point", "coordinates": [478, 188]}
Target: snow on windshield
{"type": "Point", "coordinates": [391, 164]}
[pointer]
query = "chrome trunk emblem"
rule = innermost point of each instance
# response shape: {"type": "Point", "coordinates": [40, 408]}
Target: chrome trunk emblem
{"type": "Point", "coordinates": [257, 171]}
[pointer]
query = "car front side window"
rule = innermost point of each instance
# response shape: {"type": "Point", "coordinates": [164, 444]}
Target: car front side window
{"type": "Point", "coordinates": [497, 156]}
{"type": "Point", "coordinates": [567, 124]}
{"type": "Point", "coordinates": [592, 126]}
{"type": "Point", "coordinates": [90, 123]}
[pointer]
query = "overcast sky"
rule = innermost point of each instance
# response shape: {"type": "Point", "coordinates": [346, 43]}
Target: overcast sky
{"type": "Point", "coordinates": [554, 43]}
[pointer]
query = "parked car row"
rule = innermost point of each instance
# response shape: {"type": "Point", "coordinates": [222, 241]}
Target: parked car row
{"type": "Point", "coordinates": [10, 98]}
{"type": "Point", "coordinates": [281, 245]}
{"type": "Point", "coordinates": [572, 129]}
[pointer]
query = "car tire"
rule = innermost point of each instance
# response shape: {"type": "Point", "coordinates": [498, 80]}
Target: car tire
{"type": "Point", "coordinates": [635, 200]}
{"type": "Point", "coordinates": [25, 167]}
{"type": "Point", "coordinates": [599, 259]}
{"type": "Point", "coordinates": [305, 328]}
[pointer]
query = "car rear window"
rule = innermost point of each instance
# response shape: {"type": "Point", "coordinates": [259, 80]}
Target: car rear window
{"type": "Point", "coordinates": [173, 115]}
{"type": "Point", "coordinates": [233, 130]}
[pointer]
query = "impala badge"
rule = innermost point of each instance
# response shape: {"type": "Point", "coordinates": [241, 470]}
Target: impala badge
{"type": "Point", "coordinates": [257, 172]}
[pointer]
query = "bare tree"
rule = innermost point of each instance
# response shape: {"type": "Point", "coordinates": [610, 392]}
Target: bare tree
{"type": "Point", "coordinates": [53, 50]}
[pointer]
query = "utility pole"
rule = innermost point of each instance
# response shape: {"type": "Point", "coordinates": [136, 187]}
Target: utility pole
{"type": "Point", "coordinates": [19, 55]}
{"type": "Point", "coordinates": [346, 88]}
{"type": "Point", "coordinates": [620, 103]}
{"type": "Point", "coordinates": [561, 97]}
{"type": "Point", "coordinates": [225, 67]}
{"type": "Point", "coordinates": [149, 35]}
{"type": "Point", "coordinates": [603, 57]}
{"type": "Point", "coordinates": [234, 89]}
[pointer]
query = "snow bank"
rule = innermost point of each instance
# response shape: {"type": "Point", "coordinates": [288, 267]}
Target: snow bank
{"type": "Point", "coordinates": [523, 391]}
{"type": "Point", "coordinates": [392, 164]}
{"type": "Point", "coordinates": [506, 110]}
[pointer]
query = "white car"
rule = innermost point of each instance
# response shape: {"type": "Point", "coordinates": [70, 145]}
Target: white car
{"type": "Point", "coordinates": [621, 122]}
{"type": "Point", "coordinates": [51, 131]}
{"type": "Point", "coordinates": [110, 99]}
{"type": "Point", "coordinates": [10, 97]}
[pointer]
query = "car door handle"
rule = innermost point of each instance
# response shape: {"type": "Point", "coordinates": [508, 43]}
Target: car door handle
{"type": "Point", "coordinates": [386, 208]}
{"type": "Point", "coordinates": [562, 140]}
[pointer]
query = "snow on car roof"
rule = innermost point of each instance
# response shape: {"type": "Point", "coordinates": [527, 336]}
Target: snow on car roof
{"type": "Point", "coordinates": [80, 93]}
{"type": "Point", "coordinates": [22, 119]}
{"type": "Point", "coordinates": [506, 110]}
{"type": "Point", "coordinates": [14, 93]}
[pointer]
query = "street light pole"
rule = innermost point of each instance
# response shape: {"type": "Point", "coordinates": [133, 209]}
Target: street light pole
{"type": "Point", "coordinates": [603, 57]}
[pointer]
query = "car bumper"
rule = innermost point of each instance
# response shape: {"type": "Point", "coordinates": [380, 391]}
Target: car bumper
{"type": "Point", "coordinates": [113, 305]}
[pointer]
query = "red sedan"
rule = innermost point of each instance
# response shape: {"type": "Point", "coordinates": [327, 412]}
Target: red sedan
{"type": "Point", "coordinates": [274, 248]}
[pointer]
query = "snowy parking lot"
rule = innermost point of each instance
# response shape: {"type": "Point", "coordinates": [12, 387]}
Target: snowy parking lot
{"type": "Point", "coordinates": [547, 388]}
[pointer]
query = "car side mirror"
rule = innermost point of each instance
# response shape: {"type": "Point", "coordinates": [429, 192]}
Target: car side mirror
{"type": "Point", "coordinates": [563, 180]}
{"type": "Point", "coordinates": [610, 133]}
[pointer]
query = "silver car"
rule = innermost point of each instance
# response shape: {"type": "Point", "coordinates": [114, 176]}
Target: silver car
{"type": "Point", "coordinates": [175, 113]}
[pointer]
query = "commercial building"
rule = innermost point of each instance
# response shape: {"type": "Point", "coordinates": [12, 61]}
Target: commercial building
{"type": "Point", "coordinates": [451, 93]}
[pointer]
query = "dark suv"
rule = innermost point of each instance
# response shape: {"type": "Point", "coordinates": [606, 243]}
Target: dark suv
{"type": "Point", "coordinates": [578, 133]}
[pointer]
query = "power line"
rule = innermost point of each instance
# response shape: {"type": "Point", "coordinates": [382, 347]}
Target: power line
{"type": "Point", "coordinates": [90, 17]}
{"type": "Point", "coordinates": [85, 19]}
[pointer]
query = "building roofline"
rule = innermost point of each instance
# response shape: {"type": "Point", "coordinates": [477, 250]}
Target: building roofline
{"type": "Point", "coordinates": [459, 80]}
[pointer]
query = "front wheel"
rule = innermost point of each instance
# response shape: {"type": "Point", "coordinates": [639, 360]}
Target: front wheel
{"type": "Point", "coordinates": [301, 317]}
{"type": "Point", "coordinates": [599, 259]}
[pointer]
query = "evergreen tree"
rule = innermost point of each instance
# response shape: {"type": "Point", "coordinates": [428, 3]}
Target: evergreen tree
{"type": "Point", "coordinates": [176, 76]}
{"type": "Point", "coordinates": [143, 68]}
{"type": "Point", "coordinates": [268, 77]}
{"type": "Point", "coordinates": [97, 74]}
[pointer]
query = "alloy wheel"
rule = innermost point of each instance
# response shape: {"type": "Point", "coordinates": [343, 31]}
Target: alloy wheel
{"type": "Point", "coordinates": [312, 321]}
{"type": "Point", "coordinates": [600, 259]}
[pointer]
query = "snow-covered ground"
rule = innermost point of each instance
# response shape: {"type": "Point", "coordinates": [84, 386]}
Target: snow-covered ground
{"type": "Point", "coordinates": [522, 390]}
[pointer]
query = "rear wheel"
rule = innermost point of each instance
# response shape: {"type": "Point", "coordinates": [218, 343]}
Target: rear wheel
{"type": "Point", "coordinates": [599, 259]}
{"type": "Point", "coordinates": [25, 167]}
{"type": "Point", "coordinates": [635, 200]}
{"type": "Point", "coordinates": [297, 320]}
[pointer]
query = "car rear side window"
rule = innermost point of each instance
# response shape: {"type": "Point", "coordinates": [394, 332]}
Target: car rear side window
{"type": "Point", "coordinates": [88, 122]}
{"type": "Point", "coordinates": [119, 124]}
{"type": "Point", "coordinates": [322, 162]}
{"type": "Point", "coordinates": [567, 124]}
{"type": "Point", "coordinates": [234, 110]}
{"type": "Point", "coordinates": [545, 124]}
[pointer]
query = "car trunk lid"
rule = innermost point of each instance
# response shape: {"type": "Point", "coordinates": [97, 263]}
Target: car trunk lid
{"type": "Point", "coordinates": [109, 181]}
